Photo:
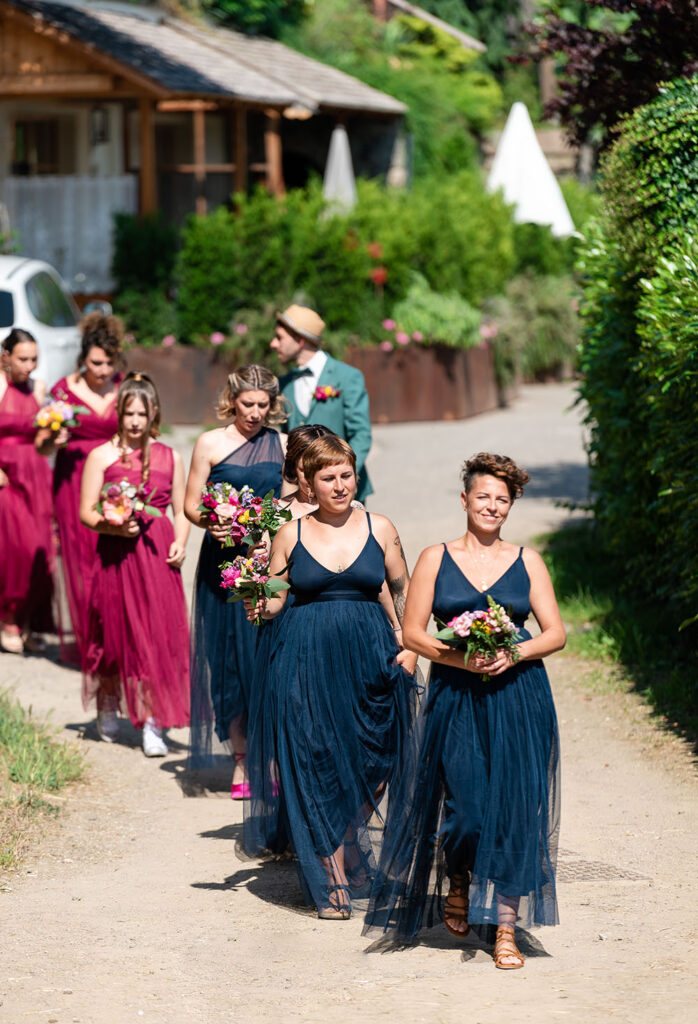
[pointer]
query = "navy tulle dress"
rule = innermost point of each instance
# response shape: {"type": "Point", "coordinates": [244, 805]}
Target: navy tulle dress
{"type": "Point", "coordinates": [479, 790]}
{"type": "Point", "coordinates": [334, 716]}
{"type": "Point", "coordinates": [223, 642]}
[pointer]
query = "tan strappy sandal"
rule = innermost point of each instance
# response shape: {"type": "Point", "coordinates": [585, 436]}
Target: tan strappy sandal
{"type": "Point", "coordinates": [338, 910]}
{"type": "Point", "coordinates": [457, 904]}
{"type": "Point", "coordinates": [505, 948]}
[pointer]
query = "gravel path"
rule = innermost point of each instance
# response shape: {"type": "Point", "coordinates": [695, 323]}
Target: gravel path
{"type": "Point", "coordinates": [138, 905]}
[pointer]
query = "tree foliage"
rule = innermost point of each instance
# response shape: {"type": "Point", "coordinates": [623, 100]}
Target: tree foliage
{"type": "Point", "coordinates": [613, 55]}
{"type": "Point", "coordinates": [257, 17]}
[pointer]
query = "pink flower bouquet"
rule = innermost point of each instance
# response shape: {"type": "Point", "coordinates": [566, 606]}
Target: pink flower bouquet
{"type": "Point", "coordinates": [247, 516]}
{"type": "Point", "coordinates": [483, 632]}
{"type": "Point", "coordinates": [249, 577]}
{"type": "Point", "coordinates": [118, 502]}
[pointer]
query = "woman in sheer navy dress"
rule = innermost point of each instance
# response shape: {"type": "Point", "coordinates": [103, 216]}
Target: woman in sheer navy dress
{"type": "Point", "coordinates": [338, 693]}
{"type": "Point", "coordinates": [478, 794]}
{"type": "Point", "coordinates": [246, 451]}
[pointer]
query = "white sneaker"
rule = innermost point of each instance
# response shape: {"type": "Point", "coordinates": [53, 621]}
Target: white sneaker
{"type": "Point", "coordinates": [153, 743]}
{"type": "Point", "coordinates": [108, 726]}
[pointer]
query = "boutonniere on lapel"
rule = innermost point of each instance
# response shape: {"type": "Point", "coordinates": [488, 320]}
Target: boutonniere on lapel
{"type": "Point", "coordinates": [326, 391]}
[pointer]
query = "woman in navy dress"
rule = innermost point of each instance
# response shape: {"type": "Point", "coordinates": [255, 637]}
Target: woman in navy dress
{"type": "Point", "coordinates": [246, 451]}
{"type": "Point", "coordinates": [479, 793]}
{"type": "Point", "coordinates": [337, 693]}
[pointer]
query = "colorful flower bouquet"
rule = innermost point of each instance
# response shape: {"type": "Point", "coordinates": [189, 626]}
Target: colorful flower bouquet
{"type": "Point", "coordinates": [118, 502]}
{"type": "Point", "coordinates": [325, 391]}
{"type": "Point", "coordinates": [483, 632]}
{"type": "Point", "coordinates": [249, 577]}
{"type": "Point", "coordinates": [247, 516]}
{"type": "Point", "coordinates": [55, 415]}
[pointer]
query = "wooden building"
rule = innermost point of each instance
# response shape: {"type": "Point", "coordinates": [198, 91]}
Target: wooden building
{"type": "Point", "coordinates": [107, 106]}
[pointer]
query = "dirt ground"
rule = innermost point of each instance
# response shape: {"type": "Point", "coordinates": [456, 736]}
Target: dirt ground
{"type": "Point", "coordinates": [137, 904]}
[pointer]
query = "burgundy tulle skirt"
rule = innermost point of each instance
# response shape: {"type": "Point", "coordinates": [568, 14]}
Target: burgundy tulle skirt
{"type": "Point", "coordinates": [26, 537]}
{"type": "Point", "coordinates": [137, 639]}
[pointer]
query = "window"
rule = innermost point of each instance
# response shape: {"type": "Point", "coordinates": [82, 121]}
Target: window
{"type": "Point", "coordinates": [35, 148]}
{"type": "Point", "coordinates": [7, 309]}
{"type": "Point", "coordinates": [48, 302]}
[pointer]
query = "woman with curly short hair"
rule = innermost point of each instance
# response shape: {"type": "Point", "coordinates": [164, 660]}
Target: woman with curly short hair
{"type": "Point", "coordinates": [479, 796]}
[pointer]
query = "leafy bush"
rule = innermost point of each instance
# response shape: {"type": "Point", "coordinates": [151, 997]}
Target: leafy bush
{"type": "Point", "coordinates": [257, 17]}
{"type": "Point", "coordinates": [145, 250]}
{"type": "Point", "coordinates": [638, 352]}
{"type": "Point", "coordinates": [445, 317]}
{"type": "Point", "coordinates": [148, 316]}
{"type": "Point", "coordinates": [207, 274]}
{"type": "Point", "coordinates": [538, 251]}
{"type": "Point", "coordinates": [536, 326]}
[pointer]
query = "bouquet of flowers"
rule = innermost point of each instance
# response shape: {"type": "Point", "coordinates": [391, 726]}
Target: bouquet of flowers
{"type": "Point", "coordinates": [248, 516]}
{"type": "Point", "coordinates": [249, 577]}
{"type": "Point", "coordinates": [55, 415]}
{"type": "Point", "coordinates": [118, 502]}
{"type": "Point", "coordinates": [483, 632]}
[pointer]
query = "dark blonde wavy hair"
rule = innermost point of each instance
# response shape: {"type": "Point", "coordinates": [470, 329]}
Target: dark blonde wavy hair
{"type": "Point", "coordinates": [139, 386]}
{"type": "Point", "coordinates": [499, 466]}
{"type": "Point", "coordinates": [253, 378]}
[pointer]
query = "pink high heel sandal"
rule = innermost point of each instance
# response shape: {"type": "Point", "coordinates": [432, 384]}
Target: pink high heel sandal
{"type": "Point", "coordinates": [240, 790]}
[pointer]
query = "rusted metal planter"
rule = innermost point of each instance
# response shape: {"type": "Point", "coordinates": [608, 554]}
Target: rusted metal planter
{"type": "Point", "coordinates": [433, 382]}
{"type": "Point", "coordinates": [416, 383]}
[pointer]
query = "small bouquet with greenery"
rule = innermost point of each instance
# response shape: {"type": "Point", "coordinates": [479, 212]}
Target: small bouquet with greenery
{"type": "Point", "coordinates": [483, 632]}
{"type": "Point", "coordinates": [55, 415]}
{"type": "Point", "coordinates": [249, 577]}
{"type": "Point", "coordinates": [247, 516]}
{"type": "Point", "coordinates": [118, 502]}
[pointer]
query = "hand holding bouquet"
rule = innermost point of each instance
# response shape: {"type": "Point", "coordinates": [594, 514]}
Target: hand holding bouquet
{"type": "Point", "coordinates": [482, 632]}
{"type": "Point", "coordinates": [118, 503]}
{"type": "Point", "coordinates": [249, 578]}
{"type": "Point", "coordinates": [247, 516]}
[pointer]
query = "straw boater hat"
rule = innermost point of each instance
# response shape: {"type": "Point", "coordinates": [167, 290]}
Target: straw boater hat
{"type": "Point", "coordinates": [304, 322]}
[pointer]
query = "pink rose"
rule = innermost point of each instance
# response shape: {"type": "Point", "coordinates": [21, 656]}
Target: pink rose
{"type": "Point", "coordinates": [389, 324]}
{"type": "Point", "coordinates": [401, 338]}
{"type": "Point", "coordinates": [241, 328]}
{"type": "Point", "coordinates": [113, 491]}
{"type": "Point", "coordinates": [225, 510]}
{"type": "Point", "coordinates": [217, 338]}
{"type": "Point", "coordinates": [117, 512]}
{"type": "Point", "coordinates": [168, 341]}
{"type": "Point", "coordinates": [417, 336]}
{"type": "Point", "coordinates": [386, 346]}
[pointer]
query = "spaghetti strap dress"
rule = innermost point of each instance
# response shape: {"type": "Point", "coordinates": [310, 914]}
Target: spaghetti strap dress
{"type": "Point", "coordinates": [26, 532]}
{"type": "Point", "coordinates": [78, 543]}
{"type": "Point", "coordinates": [137, 640]}
{"type": "Point", "coordinates": [335, 713]}
{"type": "Point", "coordinates": [223, 642]}
{"type": "Point", "coordinates": [479, 790]}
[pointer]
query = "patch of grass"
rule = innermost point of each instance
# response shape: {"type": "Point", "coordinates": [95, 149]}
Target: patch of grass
{"type": "Point", "coordinates": [33, 763]}
{"type": "Point", "coordinates": [606, 624]}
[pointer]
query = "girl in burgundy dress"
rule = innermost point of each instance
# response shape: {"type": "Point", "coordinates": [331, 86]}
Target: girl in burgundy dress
{"type": "Point", "coordinates": [136, 651]}
{"type": "Point", "coordinates": [26, 565]}
{"type": "Point", "coordinates": [94, 387]}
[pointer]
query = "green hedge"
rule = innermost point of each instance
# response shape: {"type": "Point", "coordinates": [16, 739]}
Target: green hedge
{"type": "Point", "coordinates": [638, 356]}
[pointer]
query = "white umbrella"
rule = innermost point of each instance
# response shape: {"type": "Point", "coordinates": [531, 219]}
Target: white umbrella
{"type": "Point", "coordinates": [524, 176]}
{"type": "Point", "coordinates": [339, 186]}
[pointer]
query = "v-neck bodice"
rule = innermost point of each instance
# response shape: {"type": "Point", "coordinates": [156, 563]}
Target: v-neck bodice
{"type": "Point", "coordinates": [454, 593]}
{"type": "Point", "coordinates": [360, 581]}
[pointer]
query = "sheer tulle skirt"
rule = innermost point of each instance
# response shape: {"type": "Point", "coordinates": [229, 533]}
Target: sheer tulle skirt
{"type": "Point", "coordinates": [479, 790]}
{"type": "Point", "coordinates": [325, 734]}
{"type": "Point", "coordinates": [137, 631]}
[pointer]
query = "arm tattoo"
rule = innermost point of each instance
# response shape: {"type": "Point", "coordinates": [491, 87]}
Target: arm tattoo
{"type": "Point", "coordinates": [397, 591]}
{"type": "Point", "coordinates": [398, 543]}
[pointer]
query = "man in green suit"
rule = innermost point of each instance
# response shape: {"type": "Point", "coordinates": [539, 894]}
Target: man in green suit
{"type": "Point", "coordinates": [320, 389]}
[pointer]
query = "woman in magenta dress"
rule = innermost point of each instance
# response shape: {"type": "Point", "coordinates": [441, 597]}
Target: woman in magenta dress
{"type": "Point", "coordinates": [94, 387]}
{"type": "Point", "coordinates": [136, 652]}
{"type": "Point", "coordinates": [26, 566]}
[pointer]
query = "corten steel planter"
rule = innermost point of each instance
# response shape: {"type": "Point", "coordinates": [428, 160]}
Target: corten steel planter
{"type": "Point", "coordinates": [433, 382]}
{"type": "Point", "coordinates": [189, 380]}
{"type": "Point", "coordinates": [416, 383]}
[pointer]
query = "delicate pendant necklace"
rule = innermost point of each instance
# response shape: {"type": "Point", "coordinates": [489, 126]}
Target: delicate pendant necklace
{"type": "Point", "coordinates": [482, 564]}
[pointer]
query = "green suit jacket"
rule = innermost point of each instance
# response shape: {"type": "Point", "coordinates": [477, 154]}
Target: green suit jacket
{"type": "Point", "coordinates": [347, 414]}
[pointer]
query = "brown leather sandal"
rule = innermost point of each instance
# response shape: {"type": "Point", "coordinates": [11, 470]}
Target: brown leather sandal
{"type": "Point", "coordinates": [505, 948]}
{"type": "Point", "coordinates": [339, 909]}
{"type": "Point", "coordinates": [457, 904]}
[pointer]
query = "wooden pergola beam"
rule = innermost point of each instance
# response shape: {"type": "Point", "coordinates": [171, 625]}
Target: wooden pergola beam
{"type": "Point", "coordinates": [147, 180]}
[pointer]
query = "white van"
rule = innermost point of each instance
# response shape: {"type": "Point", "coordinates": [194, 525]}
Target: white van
{"type": "Point", "coordinates": [33, 297]}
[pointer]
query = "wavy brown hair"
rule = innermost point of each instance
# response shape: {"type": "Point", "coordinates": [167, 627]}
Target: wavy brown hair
{"type": "Point", "coordinates": [298, 441]}
{"type": "Point", "coordinates": [105, 332]}
{"type": "Point", "coordinates": [499, 466]}
{"type": "Point", "coordinates": [139, 386]}
{"type": "Point", "coordinates": [253, 378]}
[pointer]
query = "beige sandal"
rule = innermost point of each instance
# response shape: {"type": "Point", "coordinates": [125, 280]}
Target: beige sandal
{"type": "Point", "coordinates": [338, 910]}
{"type": "Point", "coordinates": [457, 905]}
{"type": "Point", "coordinates": [11, 640]}
{"type": "Point", "coordinates": [505, 948]}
